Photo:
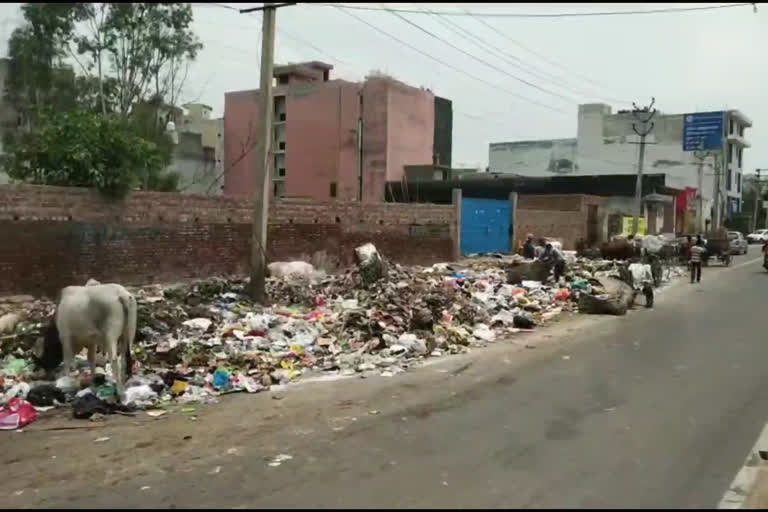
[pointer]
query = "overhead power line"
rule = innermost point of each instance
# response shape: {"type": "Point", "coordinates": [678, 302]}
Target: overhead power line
{"type": "Point", "coordinates": [512, 59]}
{"type": "Point", "coordinates": [542, 57]}
{"type": "Point", "coordinates": [484, 62]}
{"type": "Point", "coordinates": [547, 15]}
{"type": "Point", "coordinates": [446, 64]}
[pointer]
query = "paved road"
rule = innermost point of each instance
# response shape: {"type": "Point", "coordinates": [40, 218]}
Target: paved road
{"type": "Point", "coordinates": [657, 409]}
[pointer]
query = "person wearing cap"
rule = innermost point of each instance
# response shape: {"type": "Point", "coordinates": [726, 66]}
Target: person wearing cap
{"type": "Point", "coordinates": [529, 251]}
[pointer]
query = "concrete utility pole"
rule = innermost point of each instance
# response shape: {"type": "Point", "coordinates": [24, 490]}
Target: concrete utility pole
{"type": "Point", "coordinates": [716, 186]}
{"type": "Point", "coordinates": [644, 116]}
{"type": "Point", "coordinates": [701, 156]}
{"type": "Point", "coordinates": [756, 189]}
{"type": "Point", "coordinates": [262, 189]}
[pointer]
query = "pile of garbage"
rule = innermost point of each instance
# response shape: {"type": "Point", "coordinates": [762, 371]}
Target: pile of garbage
{"type": "Point", "coordinates": [198, 341]}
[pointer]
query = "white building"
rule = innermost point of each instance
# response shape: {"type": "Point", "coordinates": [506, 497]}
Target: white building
{"type": "Point", "coordinates": [606, 144]}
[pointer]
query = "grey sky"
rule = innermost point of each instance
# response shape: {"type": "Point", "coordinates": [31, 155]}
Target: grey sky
{"type": "Point", "coordinates": [692, 61]}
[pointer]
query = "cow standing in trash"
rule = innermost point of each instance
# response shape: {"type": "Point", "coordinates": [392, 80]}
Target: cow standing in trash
{"type": "Point", "coordinates": [95, 316]}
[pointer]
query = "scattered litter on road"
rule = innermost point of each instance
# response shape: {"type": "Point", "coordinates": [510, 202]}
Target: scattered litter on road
{"type": "Point", "coordinates": [279, 459]}
{"type": "Point", "coordinates": [101, 439]}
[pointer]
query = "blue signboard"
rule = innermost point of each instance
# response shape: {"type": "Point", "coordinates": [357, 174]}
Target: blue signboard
{"type": "Point", "coordinates": [703, 130]}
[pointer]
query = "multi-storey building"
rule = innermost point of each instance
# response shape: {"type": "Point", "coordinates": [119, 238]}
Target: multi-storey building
{"type": "Point", "coordinates": [335, 138]}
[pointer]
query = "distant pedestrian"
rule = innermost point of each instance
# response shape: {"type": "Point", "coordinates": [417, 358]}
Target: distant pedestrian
{"type": "Point", "coordinates": [696, 255]}
{"type": "Point", "coordinates": [529, 250]}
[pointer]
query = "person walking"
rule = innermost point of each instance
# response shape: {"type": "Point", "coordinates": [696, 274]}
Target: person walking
{"type": "Point", "coordinates": [696, 253]}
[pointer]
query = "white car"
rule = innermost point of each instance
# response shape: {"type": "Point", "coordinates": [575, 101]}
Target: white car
{"type": "Point", "coordinates": [758, 237]}
{"type": "Point", "coordinates": [738, 242]}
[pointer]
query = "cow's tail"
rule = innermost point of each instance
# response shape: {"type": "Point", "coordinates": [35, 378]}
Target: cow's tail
{"type": "Point", "coordinates": [129, 329]}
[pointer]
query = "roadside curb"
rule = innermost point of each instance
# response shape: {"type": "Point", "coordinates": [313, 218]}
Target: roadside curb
{"type": "Point", "coordinates": [745, 479]}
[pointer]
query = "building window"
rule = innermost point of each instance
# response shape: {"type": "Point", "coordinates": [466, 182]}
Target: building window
{"type": "Point", "coordinates": [279, 188]}
{"type": "Point", "coordinates": [333, 189]}
{"type": "Point", "coordinates": [281, 172]}
{"type": "Point", "coordinates": [281, 145]}
{"type": "Point", "coordinates": [738, 182]}
{"type": "Point", "coordinates": [730, 153]}
{"type": "Point", "coordinates": [282, 116]}
{"type": "Point", "coordinates": [741, 150]}
{"type": "Point", "coordinates": [728, 179]}
{"type": "Point", "coordinates": [730, 126]}
{"type": "Point", "coordinates": [741, 130]}
{"type": "Point", "coordinates": [283, 80]}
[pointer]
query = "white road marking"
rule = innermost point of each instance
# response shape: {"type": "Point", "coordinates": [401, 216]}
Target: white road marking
{"type": "Point", "coordinates": [741, 486]}
{"type": "Point", "coordinates": [746, 263]}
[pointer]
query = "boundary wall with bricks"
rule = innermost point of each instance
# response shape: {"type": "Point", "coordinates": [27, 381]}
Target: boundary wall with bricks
{"type": "Point", "coordinates": [56, 236]}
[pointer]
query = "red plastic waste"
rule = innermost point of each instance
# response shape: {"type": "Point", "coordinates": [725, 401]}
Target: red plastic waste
{"type": "Point", "coordinates": [18, 413]}
{"type": "Point", "coordinates": [562, 294]}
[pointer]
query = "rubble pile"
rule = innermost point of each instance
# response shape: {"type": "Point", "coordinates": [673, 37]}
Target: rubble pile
{"type": "Point", "coordinates": [197, 341]}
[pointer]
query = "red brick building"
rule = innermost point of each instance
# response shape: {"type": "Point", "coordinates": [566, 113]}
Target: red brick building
{"type": "Point", "coordinates": [332, 138]}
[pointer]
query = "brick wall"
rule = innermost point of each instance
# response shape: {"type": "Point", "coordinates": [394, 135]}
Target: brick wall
{"type": "Point", "coordinates": [563, 217]}
{"type": "Point", "coordinates": [56, 236]}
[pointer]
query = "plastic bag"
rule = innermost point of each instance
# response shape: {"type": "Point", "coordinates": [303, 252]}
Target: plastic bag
{"type": "Point", "coordinates": [221, 379]}
{"type": "Point", "coordinates": [14, 366]}
{"type": "Point", "coordinates": [138, 394]}
{"type": "Point", "coordinates": [17, 414]}
{"type": "Point", "coordinates": [562, 294]}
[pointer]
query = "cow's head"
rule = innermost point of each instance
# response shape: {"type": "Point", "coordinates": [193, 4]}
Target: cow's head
{"type": "Point", "coordinates": [49, 353]}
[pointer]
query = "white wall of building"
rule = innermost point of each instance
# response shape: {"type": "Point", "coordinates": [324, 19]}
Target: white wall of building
{"type": "Point", "coordinates": [606, 144]}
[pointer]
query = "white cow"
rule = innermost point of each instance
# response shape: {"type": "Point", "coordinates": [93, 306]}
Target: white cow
{"type": "Point", "coordinates": [95, 316]}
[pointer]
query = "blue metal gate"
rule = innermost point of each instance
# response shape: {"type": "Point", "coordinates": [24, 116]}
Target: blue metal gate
{"type": "Point", "coordinates": [484, 225]}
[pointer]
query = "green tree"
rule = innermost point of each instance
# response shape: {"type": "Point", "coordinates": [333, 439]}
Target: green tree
{"type": "Point", "coordinates": [88, 150]}
{"type": "Point", "coordinates": [145, 45]}
{"type": "Point", "coordinates": [125, 54]}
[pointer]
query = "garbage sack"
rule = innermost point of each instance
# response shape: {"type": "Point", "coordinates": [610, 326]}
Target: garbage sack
{"type": "Point", "coordinates": [17, 414]}
{"type": "Point", "coordinates": [67, 384]}
{"type": "Point", "coordinates": [370, 263]}
{"type": "Point", "coordinates": [652, 244]}
{"type": "Point", "coordinates": [8, 322]}
{"type": "Point", "coordinates": [483, 332]}
{"type": "Point", "coordinates": [290, 269]}
{"type": "Point", "coordinates": [522, 322]}
{"type": "Point", "coordinates": [139, 395]}
{"type": "Point", "coordinates": [532, 271]}
{"type": "Point", "coordinates": [411, 343]}
{"type": "Point", "coordinates": [85, 406]}
{"type": "Point", "coordinates": [45, 395]}
{"type": "Point", "coordinates": [616, 300]}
